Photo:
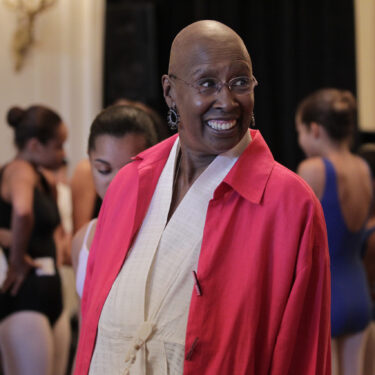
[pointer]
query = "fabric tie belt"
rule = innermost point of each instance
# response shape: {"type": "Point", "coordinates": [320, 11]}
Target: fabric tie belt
{"type": "Point", "coordinates": [143, 333]}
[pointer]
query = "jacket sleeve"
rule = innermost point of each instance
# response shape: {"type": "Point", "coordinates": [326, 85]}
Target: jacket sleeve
{"type": "Point", "coordinates": [90, 262]}
{"type": "Point", "coordinates": [303, 342]}
{"type": "Point", "coordinates": [87, 332]}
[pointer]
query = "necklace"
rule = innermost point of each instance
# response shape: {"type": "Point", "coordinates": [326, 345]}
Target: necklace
{"type": "Point", "coordinates": [176, 172]}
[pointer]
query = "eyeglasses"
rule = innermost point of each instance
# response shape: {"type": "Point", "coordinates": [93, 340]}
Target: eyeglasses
{"type": "Point", "coordinates": [211, 86]}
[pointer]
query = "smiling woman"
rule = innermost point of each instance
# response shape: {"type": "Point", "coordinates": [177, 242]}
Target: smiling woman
{"type": "Point", "coordinates": [213, 93]}
{"type": "Point", "coordinates": [209, 257]}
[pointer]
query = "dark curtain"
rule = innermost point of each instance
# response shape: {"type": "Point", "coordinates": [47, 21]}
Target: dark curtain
{"type": "Point", "coordinates": [296, 46]}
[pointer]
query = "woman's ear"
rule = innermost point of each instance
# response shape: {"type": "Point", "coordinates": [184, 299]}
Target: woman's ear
{"type": "Point", "coordinates": [315, 129]}
{"type": "Point", "coordinates": [167, 90]}
{"type": "Point", "coordinates": [33, 145]}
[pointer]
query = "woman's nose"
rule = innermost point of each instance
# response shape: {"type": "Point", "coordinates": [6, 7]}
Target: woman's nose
{"type": "Point", "coordinates": [225, 98]}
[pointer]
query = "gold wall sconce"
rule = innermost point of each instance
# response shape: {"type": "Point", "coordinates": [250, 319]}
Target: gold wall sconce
{"type": "Point", "coordinates": [23, 37]}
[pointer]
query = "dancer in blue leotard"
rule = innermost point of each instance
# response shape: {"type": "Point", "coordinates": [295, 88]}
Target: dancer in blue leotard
{"type": "Point", "coordinates": [325, 123]}
{"type": "Point", "coordinates": [367, 151]}
{"type": "Point", "coordinates": [351, 305]}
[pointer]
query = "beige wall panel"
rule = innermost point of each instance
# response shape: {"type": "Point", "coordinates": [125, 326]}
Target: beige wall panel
{"type": "Point", "coordinates": [365, 50]}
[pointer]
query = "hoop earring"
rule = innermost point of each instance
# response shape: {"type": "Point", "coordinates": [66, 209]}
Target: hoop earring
{"type": "Point", "coordinates": [252, 122]}
{"type": "Point", "coordinates": [173, 118]}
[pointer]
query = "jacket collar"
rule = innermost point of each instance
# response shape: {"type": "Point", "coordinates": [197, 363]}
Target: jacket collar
{"type": "Point", "coordinates": [156, 153]}
{"type": "Point", "coordinates": [248, 176]}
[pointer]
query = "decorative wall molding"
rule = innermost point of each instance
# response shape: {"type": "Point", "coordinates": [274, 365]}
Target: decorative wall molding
{"type": "Point", "coordinates": [26, 12]}
{"type": "Point", "coordinates": [65, 73]}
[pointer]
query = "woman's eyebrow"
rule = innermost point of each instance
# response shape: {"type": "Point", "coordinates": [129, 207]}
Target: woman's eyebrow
{"type": "Point", "coordinates": [206, 72]}
{"type": "Point", "coordinates": [209, 71]}
{"type": "Point", "coordinates": [101, 161]}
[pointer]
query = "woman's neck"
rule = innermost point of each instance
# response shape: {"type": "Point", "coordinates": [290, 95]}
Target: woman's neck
{"type": "Point", "coordinates": [24, 155]}
{"type": "Point", "coordinates": [189, 166]}
{"type": "Point", "coordinates": [192, 165]}
{"type": "Point", "coordinates": [335, 148]}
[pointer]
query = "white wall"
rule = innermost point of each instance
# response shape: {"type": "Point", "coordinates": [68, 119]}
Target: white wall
{"type": "Point", "coordinates": [63, 70]}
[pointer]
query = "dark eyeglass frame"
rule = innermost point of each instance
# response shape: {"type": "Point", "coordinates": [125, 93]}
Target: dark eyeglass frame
{"type": "Point", "coordinates": [213, 90]}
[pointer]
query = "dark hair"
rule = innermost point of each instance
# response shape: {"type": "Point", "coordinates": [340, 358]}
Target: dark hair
{"type": "Point", "coordinates": [161, 127]}
{"type": "Point", "coordinates": [334, 109]}
{"type": "Point", "coordinates": [36, 121]}
{"type": "Point", "coordinates": [119, 120]}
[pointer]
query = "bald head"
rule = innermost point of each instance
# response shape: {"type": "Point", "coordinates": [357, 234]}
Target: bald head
{"type": "Point", "coordinates": [200, 39]}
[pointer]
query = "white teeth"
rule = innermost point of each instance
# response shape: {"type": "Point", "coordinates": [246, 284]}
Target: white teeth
{"type": "Point", "coordinates": [221, 125]}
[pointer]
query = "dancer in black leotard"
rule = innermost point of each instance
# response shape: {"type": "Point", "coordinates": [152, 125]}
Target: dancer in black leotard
{"type": "Point", "coordinates": [30, 298]}
{"type": "Point", "coordinates": [36, 293]}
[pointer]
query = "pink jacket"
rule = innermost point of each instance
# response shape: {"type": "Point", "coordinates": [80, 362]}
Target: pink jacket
{"type": "Point", "coordinates": [263, 268]}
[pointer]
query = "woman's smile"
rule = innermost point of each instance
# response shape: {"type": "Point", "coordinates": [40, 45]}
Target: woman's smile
{"type": "Point", "coordinates": [221, 125]}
